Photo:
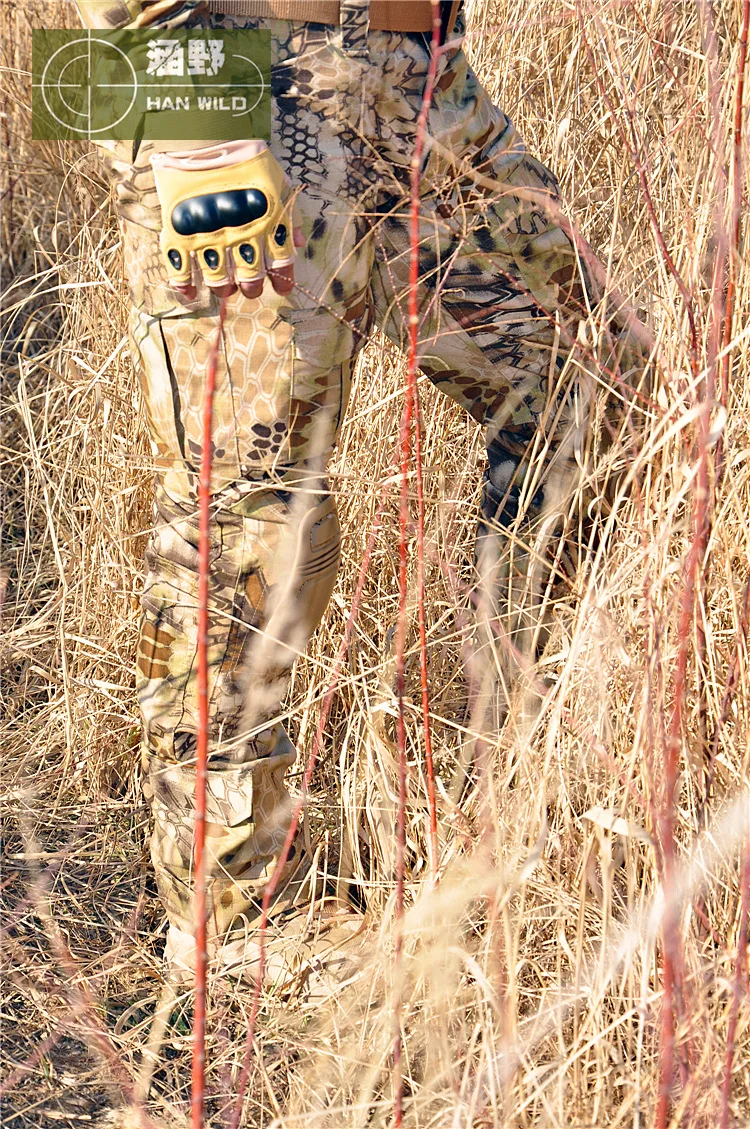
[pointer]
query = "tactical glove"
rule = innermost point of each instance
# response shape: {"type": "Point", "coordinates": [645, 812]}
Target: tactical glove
{"type": "Point", "coordinates": [227, 210]}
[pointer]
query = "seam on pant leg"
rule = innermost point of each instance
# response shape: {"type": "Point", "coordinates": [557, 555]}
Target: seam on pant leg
{"type": "Point", "coordinates": [355, 27]}
{"type": "Point", "coordinates": [179, 426]}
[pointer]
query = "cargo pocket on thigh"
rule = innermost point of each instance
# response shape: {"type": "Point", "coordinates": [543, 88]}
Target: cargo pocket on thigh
{"type": "Point", "coordinates": [313, 574]}
{"type": "Point", "coordinates": [324, 346]}
{"type": "Point", "coordinates": [301, 579]}
{"type": "Point", "coordinates": [309, 559]}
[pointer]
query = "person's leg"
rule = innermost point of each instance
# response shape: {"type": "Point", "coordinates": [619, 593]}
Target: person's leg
{"type": "Point", "coordinates": [283, 382]}
{"type": "Point", "coordinates": [503, 294]}
{"type": "Point", "coordinates": [274, 556]}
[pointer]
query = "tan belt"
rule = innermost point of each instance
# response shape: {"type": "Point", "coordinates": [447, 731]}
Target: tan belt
{"type": "Point", "coordinates": [385, 15]}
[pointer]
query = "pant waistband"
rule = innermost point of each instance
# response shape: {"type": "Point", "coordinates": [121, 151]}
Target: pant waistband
{"type": "Point", "coordinates": [385, 15]}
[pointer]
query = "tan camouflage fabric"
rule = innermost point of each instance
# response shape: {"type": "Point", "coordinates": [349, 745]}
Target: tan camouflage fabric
{"type": "Point", "coordinates": [501, 298]}
{"type": "Point", "coordinates": [274, 558]}
{"type": "Point", "coordinates": [106, 14]}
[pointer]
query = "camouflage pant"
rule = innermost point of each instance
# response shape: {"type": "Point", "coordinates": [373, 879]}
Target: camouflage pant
{"type": "Point", "coordinates": [500, 301]}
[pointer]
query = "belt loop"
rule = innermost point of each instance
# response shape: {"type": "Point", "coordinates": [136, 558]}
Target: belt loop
{"type": "Point", "coordinates": [355, 27]}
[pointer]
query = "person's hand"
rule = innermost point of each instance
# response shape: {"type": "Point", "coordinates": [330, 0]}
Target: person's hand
{"type": "Point", "coordinates": [227, 212]}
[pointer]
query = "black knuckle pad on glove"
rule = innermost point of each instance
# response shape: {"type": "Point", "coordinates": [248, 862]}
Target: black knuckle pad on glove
{"type": "Point", "coordinates": [203, 214]}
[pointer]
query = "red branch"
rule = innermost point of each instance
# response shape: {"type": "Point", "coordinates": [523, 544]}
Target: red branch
{"type": "Point", "coordinates": [742, 933]}
{"type": "Point", "coordinates": [411, 413]}
{"type": "Point", "coordinates": [693, 572]}
{"type": "Point", "coordinates": [426, 726]}
{"type": "Point", "coordinates": [201, 760]}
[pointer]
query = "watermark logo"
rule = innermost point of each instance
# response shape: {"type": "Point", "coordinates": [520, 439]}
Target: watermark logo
{"type": "Point", "coordinates": [187, 84]}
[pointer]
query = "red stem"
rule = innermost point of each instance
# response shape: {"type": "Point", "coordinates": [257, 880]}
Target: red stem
{"type": "Point", "coordinates": [426, 726]}
{"type": "Point", "coordinates": [201, 761]}
{"type": "Point", "coordinates": [671, 963]}
{"type": "Point", "coordinates": [734, 246]}
{"type": "Point", "coordinates": [411, 412]}
{"type": "Point", "coordinates": [694, 566]}
{"type": "Point", "coordinates": [670, 929]}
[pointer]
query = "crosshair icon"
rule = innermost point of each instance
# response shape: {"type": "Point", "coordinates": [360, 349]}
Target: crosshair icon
{"type": "Point", "coordinates": [67, 85]}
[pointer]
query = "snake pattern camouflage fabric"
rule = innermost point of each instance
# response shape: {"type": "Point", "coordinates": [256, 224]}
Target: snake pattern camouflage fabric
{"type": "Point", "coordinates": [501, 298]}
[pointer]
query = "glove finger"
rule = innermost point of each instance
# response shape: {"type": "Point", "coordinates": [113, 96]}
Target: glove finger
{"type": "Point", "coordinates": [212, 262]}
{"type": "Point", "coordinates": [249, 269]}
{"type": "Point", "coordinates": [247, 257]}
{"type": "Point", "coordinates": [281, 270]}
{"type": "Point", "coordinates": [280, 243]}
{"type": "Point", "coordinates": [179, 266]}
{"type": "Point", "coordinates": [280, 253]}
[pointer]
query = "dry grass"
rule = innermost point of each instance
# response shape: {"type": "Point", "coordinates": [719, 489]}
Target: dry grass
{"type": "Point", "coordinates": [531, 979]}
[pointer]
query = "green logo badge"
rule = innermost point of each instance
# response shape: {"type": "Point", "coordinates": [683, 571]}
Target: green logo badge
{"type": "Point", "coordinates": [182, 85]}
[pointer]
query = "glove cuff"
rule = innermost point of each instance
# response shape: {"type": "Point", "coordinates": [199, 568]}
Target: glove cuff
{"type": "Point", "coordinates": [222, 155]}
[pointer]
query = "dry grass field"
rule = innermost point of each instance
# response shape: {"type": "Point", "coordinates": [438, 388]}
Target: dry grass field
{"type": "Point", "coordinates": [579, 899]}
